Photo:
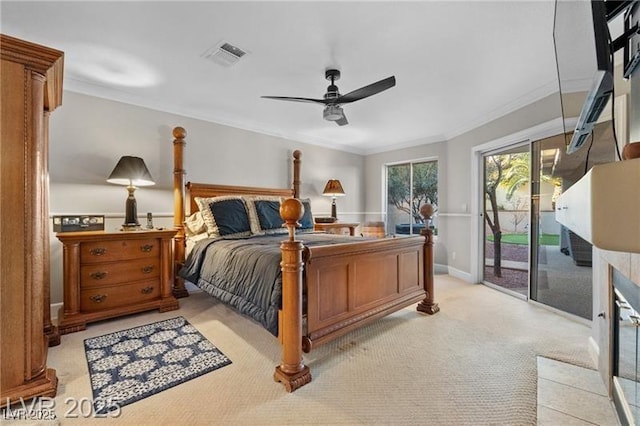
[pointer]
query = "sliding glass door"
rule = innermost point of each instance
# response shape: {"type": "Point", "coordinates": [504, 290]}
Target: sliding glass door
{"type": "Point", "coordinates": [561, 275]}
{"type": "Point", "coordinates": [506, 219]}
{"type": "Point", "coordinates": [525, 251]}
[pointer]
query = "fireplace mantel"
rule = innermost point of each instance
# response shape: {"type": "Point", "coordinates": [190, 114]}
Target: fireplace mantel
{"type": "Point", "coordinates": [603, 207]}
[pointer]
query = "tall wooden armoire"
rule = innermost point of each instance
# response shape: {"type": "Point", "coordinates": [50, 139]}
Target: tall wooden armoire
{"type": "Point", "coordinates": [31, 88]}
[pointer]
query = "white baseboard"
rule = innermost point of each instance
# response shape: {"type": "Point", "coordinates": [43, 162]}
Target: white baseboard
{"type": "Point", "coordinates": [55, 307]}
{"type": "Point", "coordinates": [464, 276]}
{"type": "Point", "coordinates": [440, 269]}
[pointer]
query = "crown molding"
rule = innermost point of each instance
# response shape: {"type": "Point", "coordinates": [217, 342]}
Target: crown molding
{"type": "Point", "coordinates": [122, 96]}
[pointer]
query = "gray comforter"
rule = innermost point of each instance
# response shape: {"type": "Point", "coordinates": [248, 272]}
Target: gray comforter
{"type": "Point", "coordinates": [245, 273]}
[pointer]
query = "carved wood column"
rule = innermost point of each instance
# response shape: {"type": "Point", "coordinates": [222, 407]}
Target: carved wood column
{"type": "Point", "coordinates": [166, 267]}
{"type": "Point", "coordinates": [292, 372]}
{"type": "Point", "coordinates": [69, 320]}
{"type": "Point", "coordinates": [50, 330]}
{"type": "Point", "coordinates": [178, 210]}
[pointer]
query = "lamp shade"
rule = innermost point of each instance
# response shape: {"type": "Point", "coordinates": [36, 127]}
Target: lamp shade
{"type": "Point", "coordinates": [333, 188]}
{"type": "Point", "coordinates": [131, 171]}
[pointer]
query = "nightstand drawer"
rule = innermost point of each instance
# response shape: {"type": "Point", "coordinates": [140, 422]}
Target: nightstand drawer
{"type": "Point", "coordinates": [107, 251]}
{"type": "Point", "coordinates": [99, 299]}
{"type": "Point", "coordinates": [100, 274]}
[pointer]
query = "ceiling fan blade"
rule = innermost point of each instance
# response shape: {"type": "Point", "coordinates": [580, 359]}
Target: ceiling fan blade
{"type": "Point", "coordinates": [342, 121]}
{"type": "Point", "coordinates": [367, 91]}
{"type": "Point", "coordinates": [286, 98]}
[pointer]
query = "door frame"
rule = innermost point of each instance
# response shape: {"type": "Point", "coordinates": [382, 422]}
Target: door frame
{"type": "Point", "coordinates": [526, 144]}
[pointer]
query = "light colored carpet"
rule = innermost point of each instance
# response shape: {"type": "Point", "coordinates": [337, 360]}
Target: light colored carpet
{"type": "Point", "coordinates": [473, 363]}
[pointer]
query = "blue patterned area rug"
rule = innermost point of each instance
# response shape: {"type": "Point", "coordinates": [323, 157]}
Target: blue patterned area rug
{"type": "Point", "coordinates": [129, 365]}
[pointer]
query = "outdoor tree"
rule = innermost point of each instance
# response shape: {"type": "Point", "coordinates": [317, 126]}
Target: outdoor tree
{"type": "Point", "coordinates": [495, 166]}
{"type": "Point", "coordinates": [425, 187]}
{"type": "Point", "coordinates": [510, 172]}
{"type": "Point", "coordinates": [516, 173]}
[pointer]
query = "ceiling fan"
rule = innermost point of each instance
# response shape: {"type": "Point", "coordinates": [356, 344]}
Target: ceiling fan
{"type": "Point", "coordinates": [333, 99]}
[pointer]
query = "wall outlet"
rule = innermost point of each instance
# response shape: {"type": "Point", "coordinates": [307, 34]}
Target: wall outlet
{"type": "Point", "coordinates": [453, 255]}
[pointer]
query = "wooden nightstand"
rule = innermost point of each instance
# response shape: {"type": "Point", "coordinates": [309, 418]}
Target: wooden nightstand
{"type": "Point", "coordinates": [110, 274]}
{"type": "Point", "coordinates": [337, 227]}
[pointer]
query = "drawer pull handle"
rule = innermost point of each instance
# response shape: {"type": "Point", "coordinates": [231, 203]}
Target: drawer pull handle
{"type": "Point", "coordinates": [100, 251]}
{"type": "Point", "coordinates": [147, 248]}
{"type": "Point", "coordinates": [147, 290]}
{"type": "Point", "coordinates": [147, 269]}
{"type": "Point", "coordinates": [98, 298]}
{"type": "Point", "coordinates": [98, 275]}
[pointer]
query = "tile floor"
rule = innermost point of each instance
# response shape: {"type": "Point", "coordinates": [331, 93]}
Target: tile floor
{"type": "Point", "coordinates": [570, 395]}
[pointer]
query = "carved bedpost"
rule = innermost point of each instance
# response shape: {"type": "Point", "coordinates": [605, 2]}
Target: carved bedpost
{"type": "Point", "coordinates": [178, 210]}
{"type": "Point", "coordinates": [296, 173]}
{"type": "Point", "coordinates": [292, 373]}
{"type": "Point", "coordinates": [428, 305]}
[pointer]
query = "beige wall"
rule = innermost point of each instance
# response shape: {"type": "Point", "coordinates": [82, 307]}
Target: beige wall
{"type": "Point", "coordinates": [88, 135]}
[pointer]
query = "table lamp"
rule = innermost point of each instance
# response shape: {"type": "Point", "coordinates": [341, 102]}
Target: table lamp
{"type": "Point", "coordinates": [333, 189]}
{"type": "Point", "coordinates": [131, 171]}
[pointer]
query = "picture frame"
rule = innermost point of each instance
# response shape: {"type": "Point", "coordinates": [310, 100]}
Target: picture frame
{"type": "Point", "coordinates": [78, 223]}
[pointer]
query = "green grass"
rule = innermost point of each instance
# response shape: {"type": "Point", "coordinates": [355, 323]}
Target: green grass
{"type": "Point", "coordinates": [545, 239]}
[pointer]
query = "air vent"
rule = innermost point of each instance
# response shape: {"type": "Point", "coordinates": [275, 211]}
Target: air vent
{"type": "Point", "coordinates": [224, 54]}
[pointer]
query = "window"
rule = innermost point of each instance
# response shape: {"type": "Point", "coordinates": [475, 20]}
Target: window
{"type": "Point", "coordinates": [409, 186]}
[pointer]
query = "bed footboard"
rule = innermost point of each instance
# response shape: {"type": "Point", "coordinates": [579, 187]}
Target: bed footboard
{"type": "Point", "coordinates": [349, 285]}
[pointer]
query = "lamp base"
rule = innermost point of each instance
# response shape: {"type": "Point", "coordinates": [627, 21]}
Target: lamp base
{"type": "Point", "coordinates": [131, 215]}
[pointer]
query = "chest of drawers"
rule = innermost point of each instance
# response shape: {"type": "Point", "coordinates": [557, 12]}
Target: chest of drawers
{"type": "Point", "coordinates": [110, 274]}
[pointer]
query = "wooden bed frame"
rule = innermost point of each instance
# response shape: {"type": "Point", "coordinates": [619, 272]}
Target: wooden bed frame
{"type": "Point", "coordinates": [347, 285]}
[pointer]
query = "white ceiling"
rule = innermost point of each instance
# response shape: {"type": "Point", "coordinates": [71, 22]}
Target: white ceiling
{"type": "Point", "coordinates": [458, 64]}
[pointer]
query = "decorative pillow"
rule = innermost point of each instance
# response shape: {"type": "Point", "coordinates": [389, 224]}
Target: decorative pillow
{"type": "Point", "coordinates": [194, 225]}
{"type": "Point", "coordinates": [225, 216]}
{"type": "Point", "coordinates": [306, 223]}
{"type": "Point", "coordinates": [268, 212]}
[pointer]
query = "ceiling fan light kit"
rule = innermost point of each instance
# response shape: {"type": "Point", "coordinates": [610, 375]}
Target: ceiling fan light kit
{"type": "Point", "coordinates": [333, 113]}
{"type": "Point", "coordinates": [333, 99]}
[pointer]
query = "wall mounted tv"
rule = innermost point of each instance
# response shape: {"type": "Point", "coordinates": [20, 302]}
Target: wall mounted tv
{"type": "Point", "coordinates": [584, 60]}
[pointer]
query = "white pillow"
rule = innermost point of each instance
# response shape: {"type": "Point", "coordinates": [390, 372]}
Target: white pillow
{"type": "Point", "coordinates": [194, 225]}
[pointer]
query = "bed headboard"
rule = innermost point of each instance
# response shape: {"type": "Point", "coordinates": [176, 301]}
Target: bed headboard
{"type": "Point", "coordinates": [184, 198]}
{"type": "Point", "coordinates": [208, 190]}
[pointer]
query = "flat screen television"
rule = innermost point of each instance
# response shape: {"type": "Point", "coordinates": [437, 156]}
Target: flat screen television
{"type": "Point", "coordinates": [584, 60]}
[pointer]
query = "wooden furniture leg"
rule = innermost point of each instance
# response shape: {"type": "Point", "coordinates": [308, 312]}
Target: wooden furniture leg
{"type": "Point", "coordinates": [292, 372]}
{"type": "Point", "coordinates": [428, 305]}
